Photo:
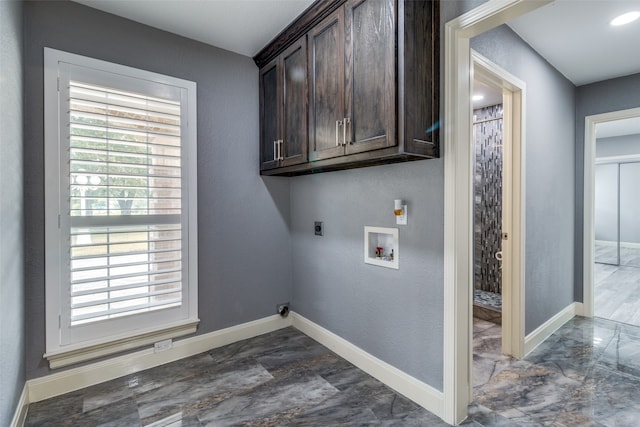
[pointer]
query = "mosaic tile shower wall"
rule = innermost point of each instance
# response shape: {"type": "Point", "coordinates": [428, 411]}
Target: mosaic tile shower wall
{"type": "Point", "coordinates": [487, 198]}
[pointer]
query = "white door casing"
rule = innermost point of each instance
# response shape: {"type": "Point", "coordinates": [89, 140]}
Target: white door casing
{"type": "Point", "coordinates": [588, 207]}
{"type": "Point", "coordinates": [458, 190]}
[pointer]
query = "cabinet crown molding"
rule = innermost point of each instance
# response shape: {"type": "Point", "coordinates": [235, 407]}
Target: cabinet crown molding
{"type": "Point", "coordinates": [298, 28]}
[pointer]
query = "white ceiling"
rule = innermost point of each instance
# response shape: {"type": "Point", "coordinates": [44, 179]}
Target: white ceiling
{"type": "Point", "coordinates": [576, 38]}
{"type": "Point", "coordinates": [573, 35]}
{"type": "Point", "coordinates": [241, 26]}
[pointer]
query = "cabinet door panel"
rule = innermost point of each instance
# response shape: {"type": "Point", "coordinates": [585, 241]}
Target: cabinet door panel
{"type": "Point", "coordinates": [295, 104]}
{"type": "Point", "coordinates": [370, 78]}
{"type": "Point", "coordinates": [421, 78]}
{"type": "Point", "coordinates": [269, 107]}
{"type": "Point", "coordinates": [326, 71]}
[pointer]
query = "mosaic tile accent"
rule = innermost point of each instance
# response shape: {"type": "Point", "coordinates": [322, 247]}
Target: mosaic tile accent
{"type": "Point", "coordinates": [487, 210]}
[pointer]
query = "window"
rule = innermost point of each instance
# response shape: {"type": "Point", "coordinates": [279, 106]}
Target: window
{"type": "Point", "coordinates": [120, 165]}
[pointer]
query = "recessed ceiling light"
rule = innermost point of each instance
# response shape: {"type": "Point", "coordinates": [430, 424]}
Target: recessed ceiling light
{"type": "Point", "coordinates": [477, 97]}
{"type": "Point", "coordinates": [625, 18]}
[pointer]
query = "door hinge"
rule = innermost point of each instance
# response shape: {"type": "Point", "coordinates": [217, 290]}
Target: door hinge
{"type": "Point", "coordinates": [59, 321]}
{"type": "Point", "coordinates": [58, 220]}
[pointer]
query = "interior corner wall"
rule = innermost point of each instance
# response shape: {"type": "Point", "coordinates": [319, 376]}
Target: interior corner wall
{"type": "Point", "coordinates": [12, 332]}
{"type": "Point", "coordinates": [549, 173]}
{"type": "Point", "coordinates": [617, 94]}
{"type": "Point", "coordinates": [244, 242]}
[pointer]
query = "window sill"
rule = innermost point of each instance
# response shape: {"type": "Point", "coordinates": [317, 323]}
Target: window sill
{"type": "Point", "coordinates": [87, 351]}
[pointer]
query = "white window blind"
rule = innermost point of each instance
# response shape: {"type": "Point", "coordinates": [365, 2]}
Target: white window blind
{"type": "Point", "coordinates": [125, 162]}
{"type": "Point", "coordinates": [121, 213]}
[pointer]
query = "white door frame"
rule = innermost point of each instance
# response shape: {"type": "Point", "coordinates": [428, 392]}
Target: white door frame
{"type": "Point", "coordinates": [588, 241]}
{"type": "Point", "coordinates": [458, 190]}
{"type": "Point", "coordinates": [513, 197]}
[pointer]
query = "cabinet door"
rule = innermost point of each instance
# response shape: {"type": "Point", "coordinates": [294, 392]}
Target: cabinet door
{"type": "Point", "coordinates": [370, 96]}
{"type": "Point", "coordinates": [269, 115]}
{"type": "Point", "coordinates": [326, 97]}
{"type": "Point", "coordinates": [294, 115]}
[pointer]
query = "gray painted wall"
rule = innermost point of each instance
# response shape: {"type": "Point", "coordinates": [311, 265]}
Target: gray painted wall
{"type": "Point", "coordinates": [395, 315]}
{"type": "Point", "coordinates": [244, 242]}
{"type": "Point", "coordinates": [625, 145]}
{"type": "Point", "coordinates": [12, 372]}
{"type": "Point", "coordinates": [549, 173]}
{"type": "Point", "coordinates": [596, 98]}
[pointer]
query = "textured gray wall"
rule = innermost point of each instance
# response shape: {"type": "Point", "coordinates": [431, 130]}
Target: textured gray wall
{"type": "Point", "coordinates": [550, 173]}
{"type": "Point", "coordinates": [244, 243]}
{"type": "Point", "coordinates": [625, 145]}
{"type": "Point", "coordinates": [596, 98]}
{"type": "Point", "coordinates": [12, 373]}
{"type": "Point", "coordinates": [396, 315]}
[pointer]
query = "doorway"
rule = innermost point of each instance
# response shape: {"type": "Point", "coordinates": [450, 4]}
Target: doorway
{"type": "Point", "coordinates": [458, 386]}
{"type": "Point", "coordinates": [612, 216]}
{"type": "Point", "coordinates": [498, 212]}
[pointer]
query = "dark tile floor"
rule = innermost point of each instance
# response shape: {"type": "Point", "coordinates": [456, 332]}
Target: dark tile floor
{"type": "Point", "coordinates": [278, 379]}
{"type": "Point", "coordinates": [586, 374]}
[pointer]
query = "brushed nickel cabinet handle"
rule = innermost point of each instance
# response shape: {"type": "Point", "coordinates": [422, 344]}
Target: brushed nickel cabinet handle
{"type": "Point", "coordinates": [275, 150]}
{"type": "Point", "coordinates": [347, 121]}
{"type": "Point", "coordinates": [338, 124]}
{"type": "Point", "coordinates": [280, 150]}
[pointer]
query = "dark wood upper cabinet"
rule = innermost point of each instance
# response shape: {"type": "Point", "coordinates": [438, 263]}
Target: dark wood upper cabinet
{"type": "Point", "coordinates": [283, 109]}
{"type": "Point", "coordinates": [371, 87]}
{"type": "Point", "coordinates": [370, 78]}
{"type": "Point", "coordinates": [326, 93]}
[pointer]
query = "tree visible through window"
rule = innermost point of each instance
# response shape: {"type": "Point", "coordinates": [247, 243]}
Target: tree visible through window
{"type": "Point", "coordinates": [121, 168]}
{"type": "Point", "coordinates": [124, 161]}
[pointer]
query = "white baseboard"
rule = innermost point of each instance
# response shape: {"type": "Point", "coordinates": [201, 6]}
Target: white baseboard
{"type": "Point", "coordinates": [545, 330]}
{"type": "Point", "coordinates": [579, 308]}
{"type": "Point", "coordinates": [629, 245]}
{"type": "Point", "coordinates": [21, 409]}
{"type": "Point", "coordinates": [606, 243]}
{"type": "Point", "coordinates": [410, 387]}
{"type": "Point", "coordinates": [76, 378]}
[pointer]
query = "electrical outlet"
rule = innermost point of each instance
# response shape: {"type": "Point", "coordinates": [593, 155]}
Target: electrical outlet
{"type": "Point", "coordinates": [162, 345]}
{"type": "Point", "coordinates": [318, 228]}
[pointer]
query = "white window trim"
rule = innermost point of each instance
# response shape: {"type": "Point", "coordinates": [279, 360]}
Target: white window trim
{"type": "Point", "coordinates": [63, 355]}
